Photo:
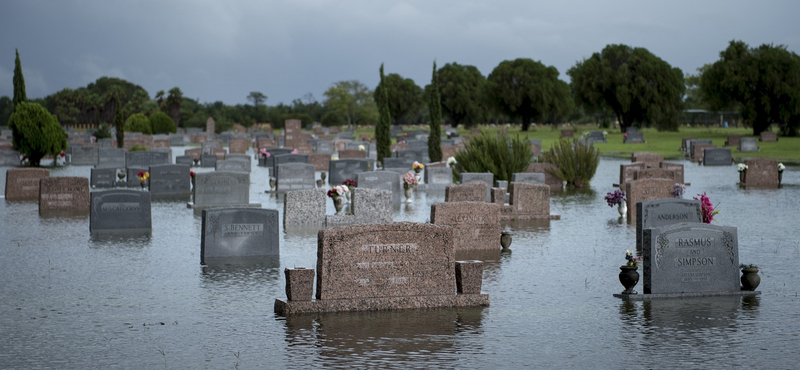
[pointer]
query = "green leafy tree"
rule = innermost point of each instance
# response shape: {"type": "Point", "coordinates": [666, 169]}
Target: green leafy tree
{"type": "Point", "coordinates": [160, 99]}
{"type": "Point", "coordinates": [763, 83]}
{"type": "Point", "coordinates": [405, 98]}
{"type": "Point", "coordinates": [462, 90]}
{"type": "Point", "coordinates": [36, 132]}
{"type": "Point", "coordinates": [257, 98]}
{"type": "Point", "coordinates": [382, 134]}
{"type": "Point", "coordinates": [435, 110]}
{"type": "Point", "coordinates": [529, 90]}
{"type": "Point", "coordinates": [162, 123]}
{"type": "Point", "coordinates": [353, 101]}
{"type": "Point", "coordinates": [174, 100]}
{"type": "Point", "coordinates": [138, 123]}
{"type": "Point", "coordinates": [636, 85]}
{"type": "Point", "coordinates": [119, 123]}
{"type": "Point", "coordinates": [102, 132]}
{"type": "Point", "coordinates": [19, 82]}
{"type": "Point", "coordinates": [6, 107]}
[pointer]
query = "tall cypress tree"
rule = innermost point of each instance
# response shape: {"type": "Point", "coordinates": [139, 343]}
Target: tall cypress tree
{"type": "Point", "coordinates": [384, 141]}
{"type": "Point", "coordinates": [19, 82]}
{"type": "Point", "coordinates": [435, 109]}
{"type": "Point", "coordinates": [119, 122]}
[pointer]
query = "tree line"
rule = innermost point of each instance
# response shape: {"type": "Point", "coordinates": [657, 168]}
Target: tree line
{"type": "Point", "coordinates": [626, 84]}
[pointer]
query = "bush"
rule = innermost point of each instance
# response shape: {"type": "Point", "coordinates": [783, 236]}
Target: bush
{"type": "Point", "coordinates": [102, 132]}
{"type": "Point", "coordinates": [496, 154]}
{"type": "Point", "coordinates": [138, 148]}
{"type": "Point", "coordinates": [162, 123]}
{"type": "Point", "coordinates": [36, 132]}
{"type": "Point", "coordinates": [577, 162]}
{"type": "Point", "coordinates": [138, 123]}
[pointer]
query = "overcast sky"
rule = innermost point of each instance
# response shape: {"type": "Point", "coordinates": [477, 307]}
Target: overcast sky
{"type": "Point", "coordinates": [223, 50]}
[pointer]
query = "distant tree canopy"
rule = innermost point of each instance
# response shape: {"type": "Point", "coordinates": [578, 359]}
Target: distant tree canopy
{"type": "Point", "coordinates": [96, 103]}
{"type": "Point", "coordinates": [638, 86]}
{"type": "Point", "coordinates": [138, 123]}
{"type": "Point", "coordinates": [36, 132]}
{"type": "Point", "coordinates": [405, 98]}
{"type": "Point", "coordinates": [352, 101]}
{"type": "Point", "coordinates": [529, 90]}
{"type": "Point", "coordinates": [161, 123]}
{"type": "Point", "coordinates": [763, 83]}
{"type": "Point", "coordinates": [462, 91]}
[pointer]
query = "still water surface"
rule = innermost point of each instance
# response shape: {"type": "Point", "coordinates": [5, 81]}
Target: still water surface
{"type": "Point", "coordinates": [146, 302]}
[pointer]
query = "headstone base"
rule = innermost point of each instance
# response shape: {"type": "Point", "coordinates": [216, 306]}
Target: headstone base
{"type": "Point", "coordinates": [646, 297]}
{"type": "Point", "coordinates": [287, 308]}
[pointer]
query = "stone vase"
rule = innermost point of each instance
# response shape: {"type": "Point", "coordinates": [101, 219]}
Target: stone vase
{"type": "Point", "coordinates": [750, 279]}
{"type": "Point", "coordinates": [349, 195]}
{"type": "Point", "coordinates": [319, 183]}
{"type": "Point", "coordinates": [322, 176]}
{"type": "Point", "coordinates": [629, 277]}
{"type": "Point", "coordinates": [338, 204]}
{"type": "Point", "coordinates": [780, 177]}
{"type": "Point", "coordinates": [505, 240]}
{"type": "Point", "coordinates": [622, 208]}
{"type": "Point", "coordinates": [143, 184]}
{"type": "Point", "coordinates": [272, 184]}
{"type": "Point", "coordinates": [409, 191]}
{"type": "Point", "coordinates": [563, 185]}
{"type": "Point", "coordinates": [299, 283]}
{"type": "Point", "coordinates": [741, 177]}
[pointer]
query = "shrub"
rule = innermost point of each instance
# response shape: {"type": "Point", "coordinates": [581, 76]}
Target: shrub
{"type": "Point", "coordinates": [162, 123]}
{"type": "Point", "coordinates": [138, 148]}
{"type": "Point", "coordinates": [102, 132]}
{"type": "Point", "coordinates": [36, 132]}
{"type": "Point", "coordinates": [577, 162]}
{"type": "Point", "coordinates": [496, 154]}
{"type": "Point", "coordinates": [138, 123]}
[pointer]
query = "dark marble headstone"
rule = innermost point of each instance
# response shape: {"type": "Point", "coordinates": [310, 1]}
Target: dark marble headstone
{"type": "Point", "coordinates": [84, 155]}
{"type": "Point", "coordinates": [382, 180]}
{"type": "Point", "coordinates": [184, 160]}
{"type": "Point", "coordinates": [343, 169]}
{"type": "Point", "coordinates": [111, 157]}
{"type": "Point", "coordinates": [146, 158]}
{"type": "Point", "coordinates": [239, 233]}
{"type": "Point", "coordinates": [717, 157]}
{"type": "Point", "coordinates": [635, 137]}
{"type": "Point", "coordinates": [663, 212]}
{"type": "Point", "coordinates": [690, 258]}
{"type": "Point", "coordinates": [288, 158]}
{"type": "Point", "coordinates": [120, 209]}
{"type": "Point", "coordinates": [103, 177]}
{"type": "Point", "coordinates": [221, 188]}
{"type": "Point", "coordinates": [233, 165]}
{"type": "Point", "coordinates": [208, 160]}
{"type": "Point", "coordinates": [295, 176]}
{"type": "Point", "coordinates": [170, 179]}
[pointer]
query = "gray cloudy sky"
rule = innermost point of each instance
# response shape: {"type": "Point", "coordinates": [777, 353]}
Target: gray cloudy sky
{"type": "Point", "coordinates": [223, 50]}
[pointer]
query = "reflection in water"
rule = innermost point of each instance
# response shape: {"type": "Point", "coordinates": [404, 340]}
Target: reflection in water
{"type": "Point", "coordinates": [104, 238]}
{"type": "Point", "coordinates": [383, 338]}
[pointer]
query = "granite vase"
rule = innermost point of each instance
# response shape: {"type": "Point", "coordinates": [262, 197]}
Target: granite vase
{"type": "Point", "coordinates": [505, 240]}
{"type": "Point", "coordinates": [629, 277]}
{"type": "Point", "coordinates": [338, 204]}
{"type": "Point", "coordinates": [408, 192]}
{"type": "Point", "coordinates": [622, 208]}
{"type": "Point", "coordinates": [750, 279]}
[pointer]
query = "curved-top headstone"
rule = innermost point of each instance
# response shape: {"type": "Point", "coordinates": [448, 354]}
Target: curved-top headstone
{"type": "Point", "coordinates": [120, 209]}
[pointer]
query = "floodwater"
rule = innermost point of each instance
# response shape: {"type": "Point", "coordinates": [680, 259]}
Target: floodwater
{"type": "Point", "coordinates": [69, 301]}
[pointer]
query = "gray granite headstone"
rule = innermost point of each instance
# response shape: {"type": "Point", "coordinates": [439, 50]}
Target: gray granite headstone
{"type": "Point", "coordinates": [176, 140]}
{"type": "Point", "coordinates": [221, 188]}
{"type": "Point", "coordinates": [288, 158]}
{"type": "Point", "coordinates": [488, 178]}
{"type": "Point", "coordinates": [717, 157]}
{"type": "Point", "coordinates": [690, 258]}
{"type": "Point", "coordinates": [382, 180]}
{"type": "Point", "coordinates": [399, 165]}
{"type": "Point", "coordinates": [208, 147]}
{"type": "Point", "coordinates": [304, 208]}
{"type": "Point", "coordinates": [103, 177]}
{"type": "Point", "coordinates": [324, 147]}
{"type": "Point", "coordinates": [9, 158]}
{"type": "Point", "coordinates": [370, 206]}
{"type": "Point", "coordinates": [233, 165]}
{"type": "Point", "coordinates": [597, 136]}
{"type": "Point", "coordinates": [184, 160]}
{"type": "Point", "coordinates": [438, 177]}
{"type": "Point", "coordinates": [270, 161]}
{"type": "Point", "coordinates": [208, 160]}
{"type": "Point", "coordinates": [295, 176]}
{"type": "Point", "coordinates": [748, 144]}
{"type": "Point", "coordinates": [170, 179]}
{"type": "Point", "coordinates": [146, 158]}
{"type": "Point", "coordinates": [120, 209]}
{"type": "Point", "coordinates": [111, 157]}
{"type": "Point", "coordinates": [634, 137]}
{"type": "Point", "coordinates": [84, 155]}
{"type": "Point", "coordinates": [690, 144]}
{"type": "Point", "coordinates": [105, 142]}
{"type": "Point", "coordinates": [528, 178]}
{"type": "Point", "coordinates": [663, 212]}
{"type": "Point", "coordinates": [238, 233]}
{"type": "Point", "coordinates": [343, 169]}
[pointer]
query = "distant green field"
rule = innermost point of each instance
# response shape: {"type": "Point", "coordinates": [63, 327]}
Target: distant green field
{"type": "Point", "coordinates": [786, 149]}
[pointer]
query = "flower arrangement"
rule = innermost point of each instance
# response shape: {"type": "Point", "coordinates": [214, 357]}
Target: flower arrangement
{"type": "Point", "coordinates": [191, 174]}
{"type": "Point", "coordinates": [707, 208]}
{"type": "Point", "coordinates": [409, 180]}
{"type": "Point", "coordinates": [451, 161]}
{"type": "Point", "coordinates": [615, 197]}
{"type": "Point", "coordinates": [93, 138]}
{"type": "Point", "coordinates": [350, 183]}
{"type": "Point", "coordinates": [143, 176]}
{"type": "Point", "coordinates": [742, 167]}
{"type": "Point", "coordinates": [338, 191]}
{"type": "Point", "coordinates": [605, 133]}
{"type": "Point", "coordinates": [361, 148]}
{"type": "Point", "coordinates": [633, 261]}
{"type": "Point", "coordinates": [678, 190]}
{"type": "Point", "coordinates": [63, 154]}
{"type": "Point", "coordinates": [781, 167]}
{"type": "Point", "coordinates": [416, 166]}
{"type": "Point", "coordinates": [264, 153]}
{"type": "Point", "coordinates": [294, 151]}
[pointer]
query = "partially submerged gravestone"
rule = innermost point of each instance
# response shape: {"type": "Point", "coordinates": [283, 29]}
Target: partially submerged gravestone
{"type": "Point", "coordinates": [236, 233]}
{"type": "Point", "coordinates": [387, 267]}
{"type": "Point", "coordinates": [9, 158]}
{"type": "Point", "coordinates": [304, 208]}
{"type": "Point", "coordinates": [471, 192]}
{"type": "Point", "coordinates": [643, 190]}
{"type": "Point", "coordinates": [103, 177]}
{"type": "Point", "coordinates": [222, 189]}
{"type": "Point", "coordinates": [208, 161]}
{"type": "Point", "coordinates": [628, 171]}
{"type": "Point", "coordinates": [437, 178]}
{"type": "Point", "coordinates": [687, 260]}
{"type": "Point", "coordinates": [761, 172]}
{"type": "Point", "coordinates": [111, 157]}
{"type": "Point", "coordinates": [650, 160]}
{"type": "Point", "coordinates": [120, 210]}
{"type": "Point", "coordinates": [370, 206]}
{"type": "Point", "coordinates": [67, 194]}
{"type": "Point", "coordinates": [294, 176]}
{"type": "Point", "coordinates": [488, 178]}
{"type": "Point", "coordinates": [170, 180]}
{"type": "Point", "coordinates": [23, 183]}
{"type": "Point", "coordinates": [382, 180]}
{"type": "Point", "coordinates": [655, 173]}
{"type": "Point", "coordinates": [545, 168]}
{"type": "Point", "coordinates": [663, 212]}
{"type": "Point", "coordinates": [84, 155]}
{"type": "Point", "coordinates": [527, 202]}
{"type": "Point", "coordinates": [146, 159]}
{"type": "Point", "coordinates": [477, 224]}
{"type": "Point", "coordinates": [528, 178]}
{"type": "Point", "coordinates": [344, 169]}
{"type": "Point", "coordinates": [232, 165]}
{"type": "Point", "coordinates": [677, 169]}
